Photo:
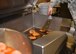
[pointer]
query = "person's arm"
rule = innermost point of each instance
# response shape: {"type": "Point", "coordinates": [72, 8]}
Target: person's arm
{"type": "Point", "coordinates": [52, 4]}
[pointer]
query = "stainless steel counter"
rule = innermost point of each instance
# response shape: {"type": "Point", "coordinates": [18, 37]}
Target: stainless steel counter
{"type": "Point", "coordinates": [51, 43]}
{"type": "Point", "coordinates": [22, 23]}
{"type": "Point", "coordinates": [46, 43]}
{"type": "Point", "coordinates": [19, 23]}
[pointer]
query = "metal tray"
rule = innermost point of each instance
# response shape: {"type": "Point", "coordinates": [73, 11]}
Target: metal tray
{"type": "Point", "coordinates": [16, 40]}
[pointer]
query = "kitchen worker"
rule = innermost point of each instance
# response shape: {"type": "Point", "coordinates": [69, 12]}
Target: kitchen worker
{"type": "Point", "coordinates": [72, 9]}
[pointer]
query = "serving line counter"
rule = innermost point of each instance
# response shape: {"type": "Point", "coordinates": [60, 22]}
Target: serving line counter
{"type": "Point", "coordinates": [53, 42]}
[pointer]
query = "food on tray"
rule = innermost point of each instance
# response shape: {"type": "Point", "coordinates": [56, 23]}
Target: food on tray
{"type": "Point", "coordinates": [32, 37]}
{"type": "Point", "coordinates": [2, 46]}
{"type": "Point", "coordinates": [33, 32]}
{"type": "Point", "coordinates": [4, 49]}
{"type": "Point", "coordinates": [36, 33]}
{"type": "Point", "coordinates": [41, 30]}
{"type": "Point", "coordinates": [16, 52]}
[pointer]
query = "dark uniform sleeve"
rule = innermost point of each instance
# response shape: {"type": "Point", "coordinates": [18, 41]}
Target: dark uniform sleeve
{"type": "Point", "coordinates": [53, 3]}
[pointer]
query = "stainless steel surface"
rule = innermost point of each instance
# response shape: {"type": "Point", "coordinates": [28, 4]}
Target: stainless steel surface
{"type": "Point", "coordinates": [7, 4]}
{"type": "Point", "coordinates": [19, 23]}
{"type": "Point", "coordinates": [46, 24]}
{"type": "Point", "coordinates": [11, 7]}
{"type": "Point", "coordinates": [22, 23]}
{"type": "Point", "coordinates": [50, 43]}
{"type": "Point", "coordinates": [16, 40]}
{"type": "Point", "coordinates": [56, 23]}
{"type": "Point", "coordinates": [37, 20]}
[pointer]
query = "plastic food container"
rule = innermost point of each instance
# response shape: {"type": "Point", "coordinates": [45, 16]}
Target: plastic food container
{"type": "Point", "coordinates": [43, 8]}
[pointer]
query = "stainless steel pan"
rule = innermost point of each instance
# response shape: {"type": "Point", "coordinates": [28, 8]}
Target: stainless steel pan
{"type": "Point", "coordinates": [16, 40]}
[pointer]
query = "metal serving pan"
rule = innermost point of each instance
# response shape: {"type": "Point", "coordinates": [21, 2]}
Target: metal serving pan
{"type": "Point", "coordinates": [16, 40]}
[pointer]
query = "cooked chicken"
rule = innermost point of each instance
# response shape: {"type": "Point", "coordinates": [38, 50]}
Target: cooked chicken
{"type": "Point", "coordinates": [41, 30]}
{"type": "Point", "coordinates": [2, 46]}
{"type": "Point", "coordinates": [4, 49]}
{"type": "Point", "coordinates": [33, 32]}
{"type": "Point", "coordinates": [32, 37]}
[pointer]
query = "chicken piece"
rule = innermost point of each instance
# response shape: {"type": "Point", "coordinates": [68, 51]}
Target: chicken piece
{"type": "Point", "coordinates": [2, 53]}
{"type": "Point", "coordinates": [9, 50]}
{"type": "Point", "coordinates": [41, 30]}
{"type": "Point", "coordinates": [2, 46]}
{"type": "Point", "coordinates": [44, 31]}
{"type": "Point", "coordinates": [4, 49]}
{"type": "Point", "coordinates": [16, 52]}
{"type": "Point", "coordinates": [32, 37]}
{"type": "Point", "coordinates": [33, 32]}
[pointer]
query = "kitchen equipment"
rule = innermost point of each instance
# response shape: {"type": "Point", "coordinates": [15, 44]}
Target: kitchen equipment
{"type": "Point", "coordinates": [43, 8]}
{"type": "Point", "coordinates": [11, 7]}
{"type": "Point", "coordinates": [46, 25]}
{"type": "Point", "coordinates": [15, 40]}
{"type": "Point", "coordinates": [8, 4]}
{"type": "Point", "coordinates": [26, 22]}
{"type": "Point", "coordinates": [35, 33]}
{"type": "Point", "coordinates": [52, 43]}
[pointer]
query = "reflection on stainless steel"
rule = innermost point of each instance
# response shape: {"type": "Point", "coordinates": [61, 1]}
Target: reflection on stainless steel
{"type": "Point", "coordinates": [51, 43]}
{"type": "Point", "coordinates": [16, 40]}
